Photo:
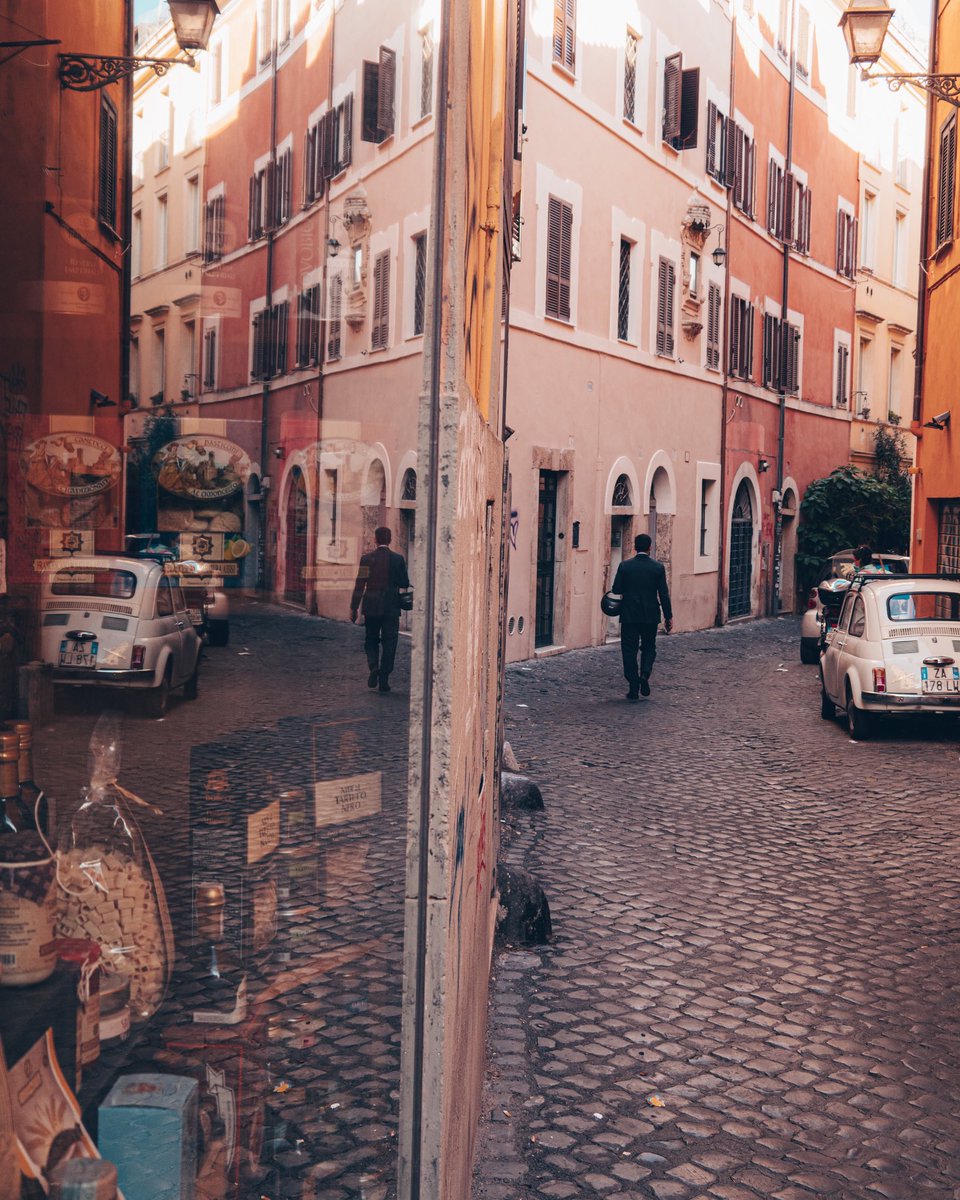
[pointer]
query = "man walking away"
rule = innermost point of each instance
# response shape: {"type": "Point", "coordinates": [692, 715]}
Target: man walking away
{"type": "Point", "coordinates": [382, 575]}
{"type": "Point", "coordinates": [642, 582]}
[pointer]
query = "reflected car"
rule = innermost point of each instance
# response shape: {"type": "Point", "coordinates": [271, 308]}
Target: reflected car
{"type": "Point", "coordinates": [207, 600]}
{"type": "Point", "coordinates": [119, 622]}
{"type": "Point", "coordinates": [837, 566]}
{"type": "Point", "coordinates": [894, 652]}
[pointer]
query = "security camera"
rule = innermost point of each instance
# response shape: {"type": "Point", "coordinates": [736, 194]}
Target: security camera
{"type": "Point", "coordinates": [940, 421]}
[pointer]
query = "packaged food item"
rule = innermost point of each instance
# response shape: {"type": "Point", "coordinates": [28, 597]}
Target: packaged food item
{"type": "Point", "coordinates": [28, 910]}
{"type": "Point", "coordinates": [84, 1179]}
{"type": "Point", "coordinates": [86, 956]}
{"type": "Point", "coordinates": [148, 1126]}
{"type": "Point", "coordinates": [114, 1009]}
{"type": "Point", "coordinates": [110, 891]}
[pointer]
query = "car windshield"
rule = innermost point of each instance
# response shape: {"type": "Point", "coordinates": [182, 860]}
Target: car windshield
{"type": "Point", "coordinates": [924, 606]}
{"type": "Point", "coordinates": [95, 581]}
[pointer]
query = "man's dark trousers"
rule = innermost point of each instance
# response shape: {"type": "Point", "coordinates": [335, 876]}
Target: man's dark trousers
{"type": "Point", "coordinates": [387, 630]}
{"type": "Point", "coordinates": [633, 637]}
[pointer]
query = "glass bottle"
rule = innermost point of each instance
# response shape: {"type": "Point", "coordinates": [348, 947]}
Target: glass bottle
{"type": "Point", "coordinates": [221, 997]}
{"type": "Point", "coordinates": [14, 818]}
{"type": "Point", "coordinates": [29, 792]}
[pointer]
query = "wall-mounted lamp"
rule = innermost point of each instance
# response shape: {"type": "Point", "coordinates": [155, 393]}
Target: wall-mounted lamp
{"type": "Point", "coordinates": [718, 253]}
{"type": "Point", "coordinates": [940, 421]}
{"type": "Point", "coordinates": [763, 464]}
{"type": "Point", "coordinates": [278, 452]}
{"type": "Point", "coordinates": [864, 24]}
{"type": "Point", "coordinates": [192, 25]}
{"type": "Point", "coordinates": [100, 400]}
{"type": "Point", "coordinates": [333, 246]}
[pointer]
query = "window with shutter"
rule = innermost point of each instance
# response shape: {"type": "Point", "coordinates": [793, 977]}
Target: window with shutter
{"type": "Point", "coordinates": [672, 74]}
{"type": "Point", "coordinates": [666, 280]}
{"type": "Point", "coordinates": [741, 168]}
{"type": "Point", "coordinates": [946, 180]}
{"type": "Point", "coordinates": [689, 109]}
{"type": "Point", "coordinates": [386, 88]}
{"type": "Point", "coordinates": [335, 319]}
{"type": "Point", "coordinates": [565, 33]}
{"type": "Point", "coordinates": [843, 359]}
{"type": "Point", "coordinates": [740, 350]}
{"type": "Point", "coordinates": [426, 72]}
{"type": "Point", "coordinates": [801, 219]}
{"type": "Point", "coordinates": [769, 367]}
{"type": "Point", "coordinates": [716, 163]}
{"type": "Point", "coordinates": [419, 282]}
{"type": "Point", "coordinates": [281, 326]}
{"type": "Point", "coordinates": [713, 327]}
{"type": "Point", "coordinates": [791, 358]}
{"type": "Point", "coordinates": [846, 243]}
{"type": "Point", "coordinates": [380, 325]}
{"type": "Point", "coordinates": [345, 127]}
{"type": "Point", "coordinates": [623, 292]}
{"type": "Point", "coordinates": [559, 246]}
{"type": "Point", "coordinates": [369, 130]}
{"type": "Point", "coordinates": [630, 77]}
{"type": "Point", "coordinates": [214, 225]}
{"type": "Point", "coordinates": [210, 359]}
{"type": "Point", "coordinates": [107, 164]}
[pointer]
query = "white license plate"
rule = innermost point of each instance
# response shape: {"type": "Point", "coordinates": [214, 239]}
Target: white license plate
{"type": "Point", "coordinates": [78, 654]}
{"type": "Point", "coordinates": [940, 681]}
{"type": "Point", "coordinates": [196, 616]}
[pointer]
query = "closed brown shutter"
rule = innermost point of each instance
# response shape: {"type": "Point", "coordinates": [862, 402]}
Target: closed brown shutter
{"type": "Point", "coordinates": [946, 180]}
{"type": "Point", "coordinates": [107, 205]}
{"type": "Point", "coordinates": [369, 130]}
{"type": "Point", "coordinates": [713, 326]}
{"type": "Point", "coordinates": [282, 329]}
{"type": "Point", "coordinates": [733, 342]}
{"type": "Point", "coordinates": [559, 246]}
{"type": "Point", "coordinates": [672, 70]}
{"type": "Point", "coordinates": [666, 280]}
{"type": "Point", "coordinates": [791, 353]}
{"type": "Point", "coordinates": [772, 197]}
{"type": "Point", "coordinates": [380, 330]}
{"type": "Point", "coordinates": [565, 33]}
{"type": "Point", "coordinates": [346, 126]}
{"type": "Point", "coordinates": [789, 199]}
{"type": "Point", "coordinates": [386, 87]}
{"type": "Point", "coordinates": [766, 370]}
{"type": "Point", "coordinates": [689, 108]}
{"type": "Point", "coordinates": [252, 215]}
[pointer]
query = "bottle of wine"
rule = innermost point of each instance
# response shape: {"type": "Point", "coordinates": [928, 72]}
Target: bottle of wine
{"type": "Point", "coordinates": [29, 792]}
{"type": "Point", "coordinates": [220, 996]}
{"type": "Point", "coordinates": [13, 816]}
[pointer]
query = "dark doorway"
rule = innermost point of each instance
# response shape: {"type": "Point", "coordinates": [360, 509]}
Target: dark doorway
{"type": "Point", "coordinates": [295, 584]}
{"type": "Point", "coordinates": [741, 554]}
{"type": "Point", "coordinates": [546, 557]}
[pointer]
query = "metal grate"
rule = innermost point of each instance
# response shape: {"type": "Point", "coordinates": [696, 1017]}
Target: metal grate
{"type": "Point", "coordinates": [949, 631]}
{"type": "Point", "coordinates": [91, 605]}
{"type": "Point", "coordinates": [630, 78]}
{"type": "Point", "coordinates": [623, 293]}
{"type": "Point", "coordinates": [741, 555]}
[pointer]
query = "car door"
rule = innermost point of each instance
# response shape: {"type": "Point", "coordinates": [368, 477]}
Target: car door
{"type": "Point", "coordinates": [853, 646]}
{"type": "Point", "coordinates": [170, 626]}
{"type": "Point", "coordinates": [831, 659]}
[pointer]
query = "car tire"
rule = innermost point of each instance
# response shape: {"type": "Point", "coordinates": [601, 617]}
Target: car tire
{"type": "Point", "coordinates": [218, 632]}
{"type": "Point", "coordinates": [859, 723]}
{"type": "Point", "coordinates": [828, 710]}
{"type": "Point", "coordinates": [158, 698]}
{"type": "Point", "coordinates": [810, 650]}
{"type": "Point", "coordinates": [191, 687]}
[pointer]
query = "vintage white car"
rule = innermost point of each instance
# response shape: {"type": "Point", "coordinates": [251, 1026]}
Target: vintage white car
{"type": "Point", "coordinates": [837, 566]}
{"type": "Point", "coordinates": [895, 651]}
{"type": "Point", "coordinates": [119, 622]}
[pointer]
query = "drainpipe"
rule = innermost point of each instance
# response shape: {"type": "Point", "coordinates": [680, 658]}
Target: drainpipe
{"type": "Point", "coordinates": [264, 573]}
{"type": "Point", "coordinates": [126, 201]}
{"type": "Point", "coordinates": [784, 332]}
{"type": "Point", "coordinates": [725, 391]}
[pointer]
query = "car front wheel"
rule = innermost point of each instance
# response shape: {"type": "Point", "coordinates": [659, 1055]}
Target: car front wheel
{"type": "Point", "coordinates": [828, 710]}
{"type": "Point", "coordinates": [859, 723]}
{"type": "Point", "coordinates": [809, 650]}
{"type": "Point", "coordinates": [158, 698]}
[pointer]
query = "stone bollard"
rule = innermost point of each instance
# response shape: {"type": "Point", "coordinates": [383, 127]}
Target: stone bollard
{"type": "Point", "coordinates": [518, 791]}
{"type": "Point", "coordinates": [523, 918]}
{"type": "Point", "coordinates": [509, 759]}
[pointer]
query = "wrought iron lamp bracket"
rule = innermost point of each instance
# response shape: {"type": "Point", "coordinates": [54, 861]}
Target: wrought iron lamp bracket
{"type": "Point", "coordinates": [90, 72]}
{"type": "Point", "coordinates": [944, 87]}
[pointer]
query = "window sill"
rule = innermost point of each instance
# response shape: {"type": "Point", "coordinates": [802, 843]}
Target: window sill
{"type": "Point", "coordinates": [568, 321]}
{"type": "Point", "coordinates": [563, 70]}
{"type": "Point", "coordinates": [420, 121]}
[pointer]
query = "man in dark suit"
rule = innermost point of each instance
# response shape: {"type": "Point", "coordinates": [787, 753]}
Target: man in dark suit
{"type": "Point", "coordinates": [642, 582]}
{"type": "Point", "coordinates": [381, 576]}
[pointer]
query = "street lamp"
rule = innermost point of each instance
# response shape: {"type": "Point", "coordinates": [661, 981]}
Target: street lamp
{"type": "Point", "coordinates": [192, 25]}
{"type": "Point", "coordinates": [864, 24]}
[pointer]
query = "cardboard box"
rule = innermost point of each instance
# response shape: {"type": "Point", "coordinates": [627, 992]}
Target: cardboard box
{"type": "Point", "coordinates": [148, 1129]}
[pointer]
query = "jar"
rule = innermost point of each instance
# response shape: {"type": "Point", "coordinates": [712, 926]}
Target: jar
{"type": "Point", "coordinates": [87, 956]}
{"type": "Point", "coordinates": [114, 1009]}
{"type": "Point", "coordinates": [28, 910]}
{"type": "Point", "coordinates": [84, 1179]}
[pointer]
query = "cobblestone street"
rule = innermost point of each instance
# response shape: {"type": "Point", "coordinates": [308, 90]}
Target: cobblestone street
{"type": "Point", "coordinates": [753, 987]}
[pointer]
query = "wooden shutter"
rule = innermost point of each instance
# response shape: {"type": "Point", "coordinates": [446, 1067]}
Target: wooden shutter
{"type": "Point", "coordinates": [840, 241]}
{"type": "Point", "coordinates": [307, 183]}
{"type": "Point", "coordinates": [711, 155]}
{"type": "Point", "coordinates": [747, 351]}
{"type": "Point", "coordinates": [386, 88]}
{"type": "Point", "coordinates": [791, 357]}
{"type": "Point", "coordinates": [251, 217]}
{"type": "Point", "coordinates": [566, 255]}
{"type": "Point", "coordinates": [346, 139]}
{"type": "Point", "coordinates": [334, 316]}
{"type": "Point", "coordinates": [734, 145]}
{"type": "Point", "coordinates": [369, 130]}
{"type": "Point", "coordinates": [256, 370]}
{"type": "Point", "coordinates": [733, 341]}
{"type": "Point", "coordinates": [772, 196]}
{"type": "Point", "coordinates": [666, 280]}
{"type": "Point", "coordinates": [803, 220]}
{"type": "Point", "coordinates": [380, 330]}
{"type": "Point", "coordinates": [559, 254]}
{"type": "Point", "coordinates": [689, 108]}
{"type": "Point", "coordinates": [843, 355]}
{"type": "Point", "coordinates": [946, 180]}
{"type": "Point", "coordinates": [789, 199]}
{"type": "Point", "coordinates": [766, 352]}
{"type": "Point", "coordinates": [558, 30]}
{"type": "Point", "coordinates": [565, 33]}
{"type": "Point", "coordinates": [107, 208]}
{"type": "Point", "coordinates": [282, 318]}
{"type": "Point", "coordinates": [713, 326]}
{"type": "Point", "coordinates": [210, 358]}
{"type": "Point", "coordinates": [672, 72]}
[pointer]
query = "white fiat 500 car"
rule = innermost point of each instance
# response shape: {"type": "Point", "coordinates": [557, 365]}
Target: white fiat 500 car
{"type": "Point", "coordinates": [895, 651]}
{"type": "Point", "coordinates": [119, 622]}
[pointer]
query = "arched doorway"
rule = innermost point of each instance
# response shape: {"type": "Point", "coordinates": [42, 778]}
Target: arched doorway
{"type": "Point", "coordinates": [407, 531]}
{"type": "Point", "coordinates": [660, 521]}
{"type": "Point", "coordinates": [373, 503]}
{"type": "Point", "coordinates": [741, 554]}
{"type": "Point", "coordinates": [295, 583]}
{"type": "Point", "coordinates": [788, 551]}
{"type": "Point", "coordinates": [621, 531]}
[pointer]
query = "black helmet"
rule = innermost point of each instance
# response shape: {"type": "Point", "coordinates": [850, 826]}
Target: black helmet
{"type": "Point", "coordinates": [610, 604]}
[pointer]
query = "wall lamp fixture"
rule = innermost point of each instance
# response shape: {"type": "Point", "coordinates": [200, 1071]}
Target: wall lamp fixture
{"type": "Point", "coordinates": [864, 24]}
{"type": "Point", "coordinates": [763, 464]}
{"type": "Point", "coordinates": [192, 25]}
{"type": "Point", "coordinates": [719, 252]}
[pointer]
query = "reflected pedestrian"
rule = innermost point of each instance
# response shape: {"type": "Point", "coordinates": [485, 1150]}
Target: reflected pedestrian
{"type": "Point", "coordinates": [642, 582]}
{"type": "Point", "coordinates": [376, 593]}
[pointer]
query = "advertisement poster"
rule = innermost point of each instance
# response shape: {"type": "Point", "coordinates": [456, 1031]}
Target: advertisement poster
{"type": "Point", "coordinates": [71, 482]}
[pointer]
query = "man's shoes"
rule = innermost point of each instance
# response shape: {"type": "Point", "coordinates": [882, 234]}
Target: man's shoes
{"type": "Point", "coordinates": [384, 686]}
{"type": "Point", "coordinates": [644, 685]}
{"type": "Point", "coordinates": [373, 678]}
{"type": "Point", "coordinates": [632, 695]}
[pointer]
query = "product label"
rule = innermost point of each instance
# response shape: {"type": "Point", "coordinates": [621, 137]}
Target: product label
{"type": "Point", "coordinates": [263, 832]}
{"type": "Point", "coordinates": [339, 801]}
{"type": "Point", "coordinates": [263, 903]}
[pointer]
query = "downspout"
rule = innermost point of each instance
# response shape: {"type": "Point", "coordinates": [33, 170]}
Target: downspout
{"type": "Point", "coordinates": [264, 581]}
{"type": "Point", "coordinates": [784, 333]}
{"type": "Point", "coordinates": [127, 206]}
{"type": "Point", "coordinates": [432, 503]}
{"type": "Point", "coordinates": [725, 325]}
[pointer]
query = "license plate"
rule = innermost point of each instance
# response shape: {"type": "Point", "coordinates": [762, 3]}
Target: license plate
{"type": "Point", "coordinates": [940, 681]}
{"type": "Point", "coordinates": [196, 616]}
{"type": "Point", "coordinates": [78, 654]}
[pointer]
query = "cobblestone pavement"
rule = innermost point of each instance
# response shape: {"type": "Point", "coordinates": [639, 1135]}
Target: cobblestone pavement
{"type": "Point", "coordinates": [314, 1071]}
{"type": "Point", "coordinates": [753, 988]}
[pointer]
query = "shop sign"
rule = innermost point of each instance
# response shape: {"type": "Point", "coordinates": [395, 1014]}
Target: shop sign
{"type": "Point", "coordinates": [69, 481]}
{"type": "Point", "coordinates": [201, 467]}
{"type": "Point", "coordinates": [339, 801]}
